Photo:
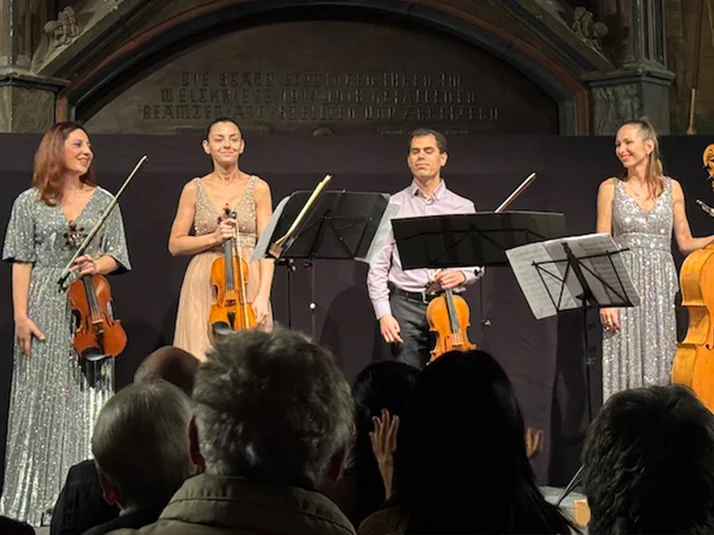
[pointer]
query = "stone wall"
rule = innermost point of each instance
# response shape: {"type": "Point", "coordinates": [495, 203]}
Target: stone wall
{"type": "Point", "coordinates": [586, 56]}
{"type": "Point", "coordinates": [293, 77]}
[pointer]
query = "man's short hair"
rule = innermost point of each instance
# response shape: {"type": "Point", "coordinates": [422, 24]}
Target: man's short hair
{"type": "Point", "coordinates": [421, 132]}
{"type": "Point", "coordinates": [271, 407]}
{"type": "Point", "coordinates": [648, 463]}
{"type": "Point", "coordinates": [140, 443]}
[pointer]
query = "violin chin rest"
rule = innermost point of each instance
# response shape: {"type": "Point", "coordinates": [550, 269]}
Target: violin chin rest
{"type": "Point", "coordinates": [221, 328]}
{"type": "Point", "coordinates": [93, 354]}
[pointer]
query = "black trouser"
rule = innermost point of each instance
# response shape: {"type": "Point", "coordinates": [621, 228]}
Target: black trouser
{"type": "Point", "coordinates": [410, 312]}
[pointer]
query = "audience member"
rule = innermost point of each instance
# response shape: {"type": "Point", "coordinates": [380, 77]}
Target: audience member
{"type": "Point", "coordinates": [80, 505]}
{"type": "Point", "coordinates": [141, 451]}
{"type": "Point", "coordinates": [273, 416]}
{"type": "Point", "coordinates": [648, 464]}
{"type": "Point", "coordinates": [171, 364]}
{"type": "Point", "coordinates": [381, 385]}
{"type": "Point", "coordinates": [8, 526]}
{"type": "Point", "coordinates": [461, 464]}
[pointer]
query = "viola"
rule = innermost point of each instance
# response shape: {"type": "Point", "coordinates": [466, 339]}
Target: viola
{"type": "Point", "coordinates": [98, 334]}
{"type": "Point", "coordinates": [231, 310]}
{"type": "Point", "coordinates": [693, 364]}
{"type": "Point", "coordinates": [448, 317]}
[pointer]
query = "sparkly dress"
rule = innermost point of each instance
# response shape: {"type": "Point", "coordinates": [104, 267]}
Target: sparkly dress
{"type": "Point", "coordinates": [54, 401]}
{"type": "Point", "coordinates": [641, 353]}
{"type": "Point", "coordinates": [192, 332]}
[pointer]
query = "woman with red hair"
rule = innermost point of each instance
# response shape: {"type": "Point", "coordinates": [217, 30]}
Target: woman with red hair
{"type": "Point", "coordinates": [54, 396]}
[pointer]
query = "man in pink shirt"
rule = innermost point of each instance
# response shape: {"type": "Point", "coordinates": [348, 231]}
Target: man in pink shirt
{"type": "Point", "coordinates": [399, 297]}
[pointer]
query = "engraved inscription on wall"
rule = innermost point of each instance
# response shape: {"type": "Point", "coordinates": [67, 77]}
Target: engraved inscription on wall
{"type": "Point", "coordinates": [297, 77]}
{"type": "Point", "coordinates": [315, 96]}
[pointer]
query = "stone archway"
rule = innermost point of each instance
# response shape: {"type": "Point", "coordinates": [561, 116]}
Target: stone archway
{"type": "Point", "coordinates": [93, 87]}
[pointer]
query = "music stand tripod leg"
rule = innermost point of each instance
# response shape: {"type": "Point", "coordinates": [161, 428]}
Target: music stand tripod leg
{"type": "Point", "coordinates": [310, 263]}
{"type": "Point", "coordinates": [290, 265]}
{"type": "Point", "coordinates": [588, 365]}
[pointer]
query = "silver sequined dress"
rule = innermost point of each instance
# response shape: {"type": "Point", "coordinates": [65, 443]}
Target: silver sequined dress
{"type": "Point", "coordinates": [53, 401]}
{"type": "Point", "coordinates": [641, 353]}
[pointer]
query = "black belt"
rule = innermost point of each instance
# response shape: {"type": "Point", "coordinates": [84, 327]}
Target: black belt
{"type": "Point", "coordinates": [414, 296]}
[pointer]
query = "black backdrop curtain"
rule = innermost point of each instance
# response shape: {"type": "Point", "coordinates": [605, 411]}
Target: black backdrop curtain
{"type": "Point", "coordinates": [544, 359]}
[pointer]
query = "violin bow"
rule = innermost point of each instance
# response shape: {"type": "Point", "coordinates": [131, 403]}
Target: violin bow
{"type": "Point", "coordinates": [277, 248]}
{"type": "Point", "coordinates": [105, 215]}
{"type": "Point", "coordinates": [512, 197]}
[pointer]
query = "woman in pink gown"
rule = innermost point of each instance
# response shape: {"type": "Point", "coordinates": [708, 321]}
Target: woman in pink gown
{"type": "Point", "coordinates": [201, 207]}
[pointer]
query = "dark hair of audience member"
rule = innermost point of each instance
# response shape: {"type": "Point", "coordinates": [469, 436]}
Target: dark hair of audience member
{"type": "Point", "coordinates": [461, 463]}
{"type": "Point", "coordinates": [8, 526]}
{"type": "Point", "coordinates": [648, 464]}
{"type": "Point", "coordinates": [382, 385]}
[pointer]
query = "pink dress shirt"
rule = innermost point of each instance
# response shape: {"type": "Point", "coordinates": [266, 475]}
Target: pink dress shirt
{"type": "Point", "coordinates": [387, 267]}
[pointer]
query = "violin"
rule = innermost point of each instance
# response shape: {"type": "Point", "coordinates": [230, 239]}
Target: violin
{"type": "Point", "coordinates": [98, 333]}
{"type": "Point", "coordinates": [448, 317]}
{"type": "Point", "coordinates": [448, 314]}
{"type": "Point", "coordinates": [231, 310]}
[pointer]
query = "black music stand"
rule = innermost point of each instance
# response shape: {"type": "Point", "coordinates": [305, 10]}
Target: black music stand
{"type": "Point", "coordinates": [340, 225]}
{"type": "Point", "coordinates": [595, 277]}
{"type": "Point", "coordinates": [474, 240]}
{"type": "Point", "coordinates": [470, 240]}
{"type": "Point", "coordinates": [592, 279]}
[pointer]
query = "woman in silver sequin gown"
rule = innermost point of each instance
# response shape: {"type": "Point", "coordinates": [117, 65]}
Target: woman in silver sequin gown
{"type": "Point", "coordinates": [53, 399]}
{"type": "Point", "coordinates": [200, 207]}
{"type": "Point", "coordinates": [641, 211]}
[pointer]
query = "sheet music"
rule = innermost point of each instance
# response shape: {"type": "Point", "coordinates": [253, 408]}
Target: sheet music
{"type": "Point", "coordinates": [606, 275]}
{"type": "Point", "coordinates": [382, 235]}
{"type": "Point", "coordinates": [541, 293]}
{"type": "Point", "coordinates": [261, 248]}
{"type": "Point", "coordinates": [598, 272]}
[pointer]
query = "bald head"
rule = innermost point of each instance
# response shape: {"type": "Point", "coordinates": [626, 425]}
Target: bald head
{"type": "Point", "coordinates": [171, 364]}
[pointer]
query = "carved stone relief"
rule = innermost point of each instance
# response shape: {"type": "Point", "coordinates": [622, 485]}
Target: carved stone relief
{"type": "Point", "coordinates": [64, 30]}
{"type": "Point", "coordinates": [587, 29]}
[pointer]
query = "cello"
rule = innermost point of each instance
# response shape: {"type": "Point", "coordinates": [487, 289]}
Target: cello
{"type": "Point", "coordinates": [98, 333]}
{"type": "Point", "coordinates": [693, 364]}
{"type": "Point", "coordinates": [448, 314]}
{"type": "Point", "coordinates": [230, 310]}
